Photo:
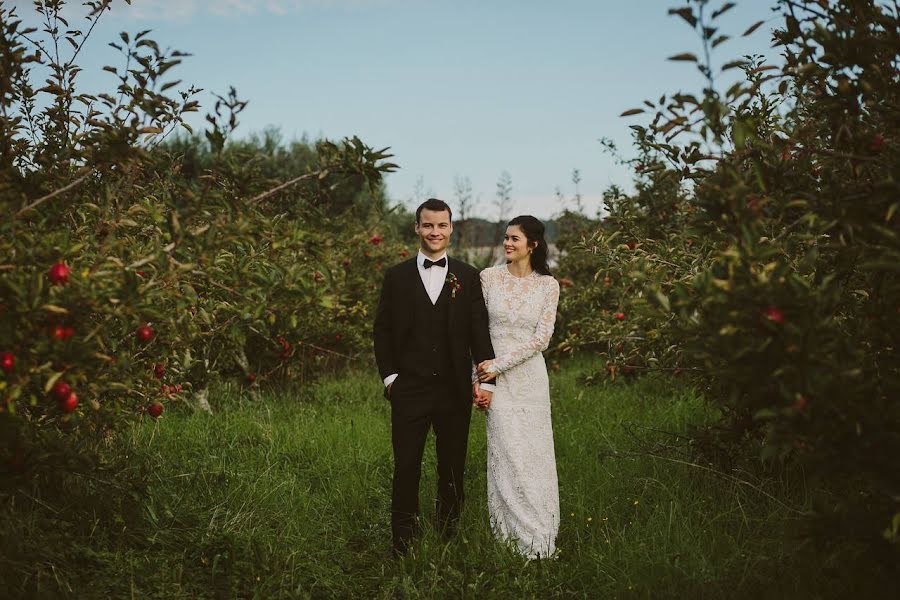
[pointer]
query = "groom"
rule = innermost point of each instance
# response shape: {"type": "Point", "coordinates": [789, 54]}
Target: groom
{"type": "Point", "coordinates": [430, 325]}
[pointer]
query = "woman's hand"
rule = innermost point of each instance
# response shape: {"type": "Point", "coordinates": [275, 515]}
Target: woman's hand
{"type": "Point", "coordinates": [485, 370]}
{"type": "Point", "coordinates": [481, 399]}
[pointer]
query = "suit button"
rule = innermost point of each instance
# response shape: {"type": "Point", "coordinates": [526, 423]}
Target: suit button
{"type": "Point", "coordinates": [434, 349]}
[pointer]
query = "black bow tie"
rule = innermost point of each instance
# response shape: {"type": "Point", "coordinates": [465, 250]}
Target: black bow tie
{"type": "Point", "coordinates": [441, 263]}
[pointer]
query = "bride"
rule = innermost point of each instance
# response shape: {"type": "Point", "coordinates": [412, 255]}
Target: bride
{"type": "Point", "coordinates": [521, 298]}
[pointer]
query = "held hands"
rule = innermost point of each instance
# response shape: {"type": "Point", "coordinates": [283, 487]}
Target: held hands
{"type": "Point", "coordinates": [481, 398]}
{"type": "Point", "coordinates": [485, 370]}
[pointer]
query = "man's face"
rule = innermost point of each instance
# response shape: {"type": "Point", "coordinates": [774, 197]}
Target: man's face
{"type": "Point", "coordinates": [434, 229]}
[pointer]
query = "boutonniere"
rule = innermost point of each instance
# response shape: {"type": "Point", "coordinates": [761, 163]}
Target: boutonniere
{"type": "Point", "coordinates": [455, 285]}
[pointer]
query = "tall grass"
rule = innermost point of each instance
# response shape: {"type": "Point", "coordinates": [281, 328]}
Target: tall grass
{"type": "Point", "coordinates": [287, 496]}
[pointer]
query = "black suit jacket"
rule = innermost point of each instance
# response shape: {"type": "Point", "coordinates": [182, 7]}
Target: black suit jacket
{"type": "Point", "coordinates": [467, 322]}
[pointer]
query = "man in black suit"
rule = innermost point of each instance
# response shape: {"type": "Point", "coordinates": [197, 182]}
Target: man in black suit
{"type": "Point", "coordinates": [430, 325]}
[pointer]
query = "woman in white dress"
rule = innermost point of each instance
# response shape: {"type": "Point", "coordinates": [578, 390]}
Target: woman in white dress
{"type": "Point", "coordinates": [521, 298]}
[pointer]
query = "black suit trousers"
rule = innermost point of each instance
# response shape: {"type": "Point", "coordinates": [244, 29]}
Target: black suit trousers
{"type": "Point", "coordinates": [418, 404]}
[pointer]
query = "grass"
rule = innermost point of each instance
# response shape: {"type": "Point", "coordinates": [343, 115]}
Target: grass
{"type": "Point", "coordinates": [287, 496]}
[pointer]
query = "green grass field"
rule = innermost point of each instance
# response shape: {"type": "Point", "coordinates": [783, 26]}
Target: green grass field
{"type": "Point", "coordinates": [287, 496]}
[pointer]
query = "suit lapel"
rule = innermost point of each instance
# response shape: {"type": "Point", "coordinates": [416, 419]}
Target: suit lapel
{"type": "Point", "coordinates": [415, 280]}
{"type": "Point", "coordinates": [451, 268]}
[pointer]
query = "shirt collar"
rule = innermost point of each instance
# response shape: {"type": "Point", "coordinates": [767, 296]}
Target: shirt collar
{"type": "Point", "coordinates": [420, 259]}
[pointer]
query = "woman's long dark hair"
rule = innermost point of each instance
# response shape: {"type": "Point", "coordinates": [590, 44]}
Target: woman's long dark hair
{"type": "Point", "coordinates": [534, 232]}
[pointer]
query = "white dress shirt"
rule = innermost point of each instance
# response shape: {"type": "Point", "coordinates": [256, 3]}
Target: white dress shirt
{"type": "Point", "coordinates": [433, 278]}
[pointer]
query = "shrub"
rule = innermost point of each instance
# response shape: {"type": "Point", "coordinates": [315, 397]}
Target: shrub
{"type": "Point", "coordinates": [137, 271]}
{"type": "Point", "coordinates": [779, 283]}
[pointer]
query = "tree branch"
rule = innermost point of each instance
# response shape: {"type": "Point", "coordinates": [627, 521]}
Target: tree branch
{"type": "Point", "coordinates": [61, 190]}
{"type": "Point", "coordinates": [284, 185]}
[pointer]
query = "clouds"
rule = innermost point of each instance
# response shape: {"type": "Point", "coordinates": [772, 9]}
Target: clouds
{"type": "Point", "coordinates": [186, 10]}
{"type": "Point", "coordinates": [180, 10]}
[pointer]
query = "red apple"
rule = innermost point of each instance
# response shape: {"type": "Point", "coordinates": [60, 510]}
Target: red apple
{"type": "Point", "coordinates": [144, 333]}
{"type": "Point", "coordinates": [60, 390]}
{"type": "Point", "coordinates": [773, 314]}
{"type": "Point", "coordinates": [155, 409]}
{"type": "Point", "coordinates": [7, 362]}
{"type": "Point", "coordinates": [346, 262]}
{"type": "Point", "coordinates": [801, 402]}
{"type": "Point", "coordinates": [620, 316]}
{"type": "Point", "coordinates": [159, 371]}
{"type": "Point", "coordinates": [565, 282]}
{"type": "Point", "coordinates": [375, 240]}
{"type": "Point", "coordinates": [178, 388]}
{"type": "Point", "coordinates": [69, 403]}
{"type": "Point", "coordinates": [338, 337]}
{"type": "Point", "coordinates": [59, 332]}
{"type": "Point", "coordinates": [251, 377]}
{"type": "Point", "coordinates": [59, 274]}
{"type": "Point", "coordinates": [404, 253]}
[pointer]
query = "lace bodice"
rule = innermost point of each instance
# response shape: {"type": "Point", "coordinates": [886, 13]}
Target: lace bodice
{"type": "Point", "coordinates": [522, 314]}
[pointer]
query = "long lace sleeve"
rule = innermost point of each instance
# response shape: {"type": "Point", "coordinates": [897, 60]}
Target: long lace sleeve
{"type": "Point", "coordinates": [543, 331]}
{"type": "Point", "coordinates": [485, 285]}
{"type": "Point", "coordinates": [485, 278]}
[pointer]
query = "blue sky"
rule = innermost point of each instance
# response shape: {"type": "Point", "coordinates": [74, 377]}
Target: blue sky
{"type": "Point", "coordinates": [454, 87]}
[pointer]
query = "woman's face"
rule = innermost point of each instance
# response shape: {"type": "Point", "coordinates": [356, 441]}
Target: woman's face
{"type": "Point", "coordinates": [515, 244]}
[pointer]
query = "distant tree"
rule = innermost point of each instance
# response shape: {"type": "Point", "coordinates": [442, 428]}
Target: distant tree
{"type": "Point", "coordinates": [561, 197]}
{"type": "Point", "coordinates": [462, 196]}
{"type": "Point", "coordinates": [420, 193]}
{"type": "Point", "coordinates": [504, 202]}
{"type": "Point", "coordinates": [576, 179]}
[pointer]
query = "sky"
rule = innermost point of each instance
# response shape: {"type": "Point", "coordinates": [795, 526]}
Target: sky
{"type": "Point", "coordinates": [456, 88]}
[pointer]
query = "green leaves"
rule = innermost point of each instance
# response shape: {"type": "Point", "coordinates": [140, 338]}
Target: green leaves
{"type": "Point", "coordinates": [160, 234]}
{"type": "Point", "coordinates": [685, 13]}
{"type": "Point", "coordinates": [684, 56]}
{"type": "Point", "coordinates": [725, 8]}
{"type": "Point", "coordinates": [752, 28]}
{"type": "Point", "coordinates": [774, 277]}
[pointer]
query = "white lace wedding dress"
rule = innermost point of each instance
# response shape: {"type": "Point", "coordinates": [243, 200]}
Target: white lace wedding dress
{"type": "Point", "coordinates": [523, 493]}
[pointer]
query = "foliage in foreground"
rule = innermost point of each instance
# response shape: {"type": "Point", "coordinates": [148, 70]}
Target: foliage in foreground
{"type": "Point", "coordinates": [760, 254]}
{"type": "Point", "coordinates": [137, 269]}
